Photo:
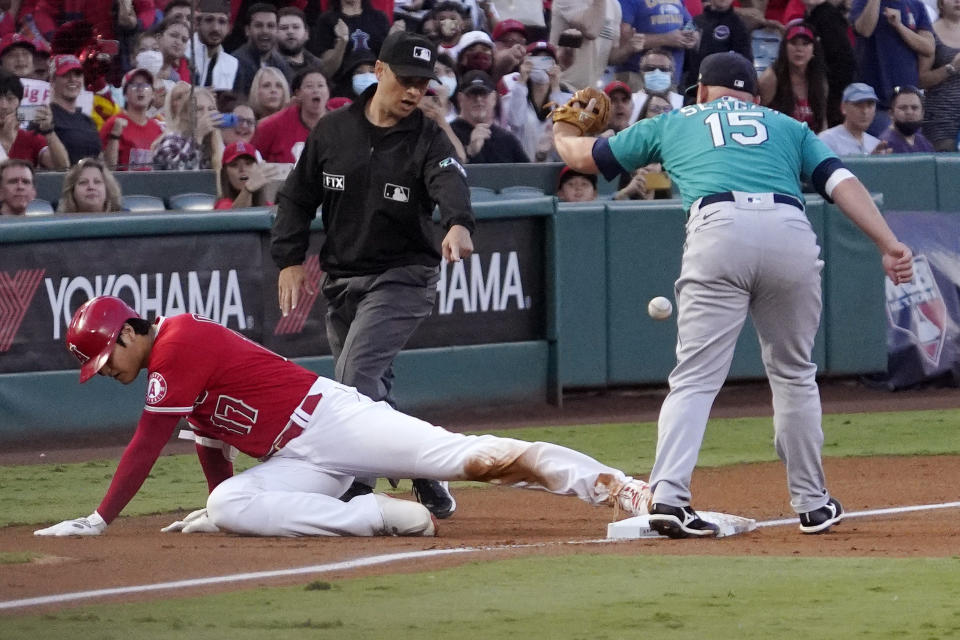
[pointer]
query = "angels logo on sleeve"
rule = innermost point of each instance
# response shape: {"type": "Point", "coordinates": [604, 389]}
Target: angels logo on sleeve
{"type": "Point", "coordinates": [156, 388]}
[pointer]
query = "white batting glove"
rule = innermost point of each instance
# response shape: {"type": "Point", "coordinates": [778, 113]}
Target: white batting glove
{"type": "Point", "coordinates": [92, 525]}
{"type": "Point", "coordinates": [196, 522]}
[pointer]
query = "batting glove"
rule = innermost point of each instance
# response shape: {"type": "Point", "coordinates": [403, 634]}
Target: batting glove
{"type": "Point", "coordinates": [92, 525]}
{"type": "Point", "coordinates": [196, 522]}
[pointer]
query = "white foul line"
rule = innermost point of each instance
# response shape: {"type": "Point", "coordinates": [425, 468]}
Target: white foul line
{"type": "Point", "coordinates": [376, 560]}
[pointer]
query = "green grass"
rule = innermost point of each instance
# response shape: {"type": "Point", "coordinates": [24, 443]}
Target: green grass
{"type": "Point", "coordinates": [584, 597]}
{"type": "Point", "coordinates": [17, 557]}
{"type": "Point", "coordinates": [32, 494]}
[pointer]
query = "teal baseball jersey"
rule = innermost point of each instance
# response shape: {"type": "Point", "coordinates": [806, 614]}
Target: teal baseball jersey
{"type": "Point", "coordinates": [724, 145]}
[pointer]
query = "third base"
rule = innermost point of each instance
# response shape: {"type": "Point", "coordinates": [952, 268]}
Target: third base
{"type": "Point", "coordinates": [639, 526]}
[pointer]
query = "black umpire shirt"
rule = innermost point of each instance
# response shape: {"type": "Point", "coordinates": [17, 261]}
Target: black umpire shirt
{"type": "Point", "coordinates": [377, 187]}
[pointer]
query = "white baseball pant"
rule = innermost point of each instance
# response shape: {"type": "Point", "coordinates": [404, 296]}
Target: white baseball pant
{"type": "Point", "coordinates": [744, 257]}
{"type": "Point", "coordinates": [295, 492]}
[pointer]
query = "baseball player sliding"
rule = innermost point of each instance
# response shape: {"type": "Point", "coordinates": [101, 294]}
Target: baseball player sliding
{"type": "Point", "coordinates": [749, 249]}
{"type": "Point", "coordinates": [312, 435]}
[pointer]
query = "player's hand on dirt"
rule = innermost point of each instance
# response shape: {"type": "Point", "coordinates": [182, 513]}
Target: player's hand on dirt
{"type": "Point", "coordinates": [478, 137]}
{"type": "Point", "coordinates": [898, 263]}
{"type": "Point", "coordinates": [92, 525]}
{"type": "Point", "coordinates": [457, 244]}
{"type": "Point", "coordinates": [196, 522]}
{"type": "Point", "coordinates": [292, 279]}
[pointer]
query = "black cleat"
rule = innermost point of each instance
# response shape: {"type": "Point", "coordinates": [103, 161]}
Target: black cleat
{"type": "Point", "coordinates": [356, 489]}
{"type": "Point", "coordinates": [819, 520]}
{"type": "Point", "coordinates": [680, 522]}
{"type": "Point", "coordinates": [435, 496]}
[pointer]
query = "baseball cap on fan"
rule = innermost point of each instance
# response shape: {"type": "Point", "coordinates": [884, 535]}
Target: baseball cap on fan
{"type": "Point", "coordinates": [409, 54]}
{"type": "Point", "coordinates": [133, 73]}
{"type": "Point", "coordinates": [728, 69]}
{"type": "Point", "coordinates": [59, 65]}
{"type": "Point", "coordinates": [239, 149]}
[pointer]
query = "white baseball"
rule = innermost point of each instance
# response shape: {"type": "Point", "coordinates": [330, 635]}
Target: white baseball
{"type": "Point", "coordinates": [659, 308]}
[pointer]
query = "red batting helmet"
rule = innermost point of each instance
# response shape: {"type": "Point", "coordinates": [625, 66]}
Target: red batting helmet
{"type": "Point", "coordinates": [94, 330]}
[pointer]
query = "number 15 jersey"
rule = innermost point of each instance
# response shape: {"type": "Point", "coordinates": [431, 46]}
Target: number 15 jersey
{"type": "Point", "coordinates": [718, 146]}
{"type": "Point", "coordinates": [228, 387]}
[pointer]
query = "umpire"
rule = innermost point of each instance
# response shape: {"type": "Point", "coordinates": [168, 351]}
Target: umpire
{"type": "Point", "coordinates": [378, 168]}
{"type": "Point", "coordinates": [749, 250]}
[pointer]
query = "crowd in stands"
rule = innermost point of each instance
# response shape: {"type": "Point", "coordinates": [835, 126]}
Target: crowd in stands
{"type": "Point", "coordinates": [236, 85]}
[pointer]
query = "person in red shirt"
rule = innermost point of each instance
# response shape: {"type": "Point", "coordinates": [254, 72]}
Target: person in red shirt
{"type": "Point", "coordinates": [312, 435]}
{"type": "Point", "coordinates": [243, 180]}
{"type": "Point", "coordinates": [127, 136]}
{"type": "Point", "coordinates": [280, 137]}
{"type": "Point", "coordinates": [40, 146]}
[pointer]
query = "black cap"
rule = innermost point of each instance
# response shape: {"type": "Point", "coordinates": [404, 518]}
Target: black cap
{"type": "Point", "coordinates": [409, 54]}
{"type": "Point", "coordinates": [477, 79]}
{"type": "Point", "coordinates": [728, 69]}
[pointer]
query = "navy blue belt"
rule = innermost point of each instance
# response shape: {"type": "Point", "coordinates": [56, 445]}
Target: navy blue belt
{"type": "Point", "coordinates": [727, 196]}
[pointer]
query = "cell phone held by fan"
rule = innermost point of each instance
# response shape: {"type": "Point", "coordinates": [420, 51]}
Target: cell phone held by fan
{"type": "Point", "coordinates": [571, 40]}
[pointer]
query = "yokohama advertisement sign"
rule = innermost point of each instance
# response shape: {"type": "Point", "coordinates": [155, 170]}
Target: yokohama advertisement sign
{"type": "Point", "coordinates": [495, 296]}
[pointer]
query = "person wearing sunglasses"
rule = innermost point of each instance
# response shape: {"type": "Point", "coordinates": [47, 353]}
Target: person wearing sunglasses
{"type": "Point", "coordinates": [903, 135]}
{"type": "Point", "coordinates": [378, 167]}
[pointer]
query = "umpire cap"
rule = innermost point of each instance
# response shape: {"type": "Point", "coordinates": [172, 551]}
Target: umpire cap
{"type": "Point", "coordinates": [409, 54]}
{"type": "Point", "coordinates": [94, 330]}
{"type": "Point", "coordinates": [728, 69]}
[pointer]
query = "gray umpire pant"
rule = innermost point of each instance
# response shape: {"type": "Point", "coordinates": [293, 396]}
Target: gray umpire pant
{"type": "Point", "coordinates": [742, 258]}
{"type": "Point", "coordinates": [369, 320]}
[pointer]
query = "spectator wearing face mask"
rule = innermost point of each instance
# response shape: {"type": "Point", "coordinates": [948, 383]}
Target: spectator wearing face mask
{"type": "Point", "coordinates": [903, 135]}
{"type": "Point", "coordinates": [356, 74]}
{"type": "Point", "coordinates": [656, 68]}
{"type": "Point", "coordinates": [474, 53]}
{"type": "Point", "coordinates": [445, 86]}
{"type": "Point", "coordinates": [525, 112]}
{"type": "Point", "coordinates": [451, 25]}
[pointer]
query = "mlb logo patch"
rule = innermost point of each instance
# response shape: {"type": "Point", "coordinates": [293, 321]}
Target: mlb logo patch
{"type": "Point", "coordinates": [738, 84]}
{"type": "Point", "coordinates": [396, 193]}
{"type": "Point", "coordinates": [421, 53]}
{"type": "Point", "coordinates": [331, 181]}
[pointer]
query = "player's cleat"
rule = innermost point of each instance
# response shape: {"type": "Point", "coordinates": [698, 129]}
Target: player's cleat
{"type": "Point", "coordinates": [405, 517]}
{"type": "Point", "coordinates": [435, 496]}
{"type": "Point", "coordinates": [680, 522]}
{"type": "Point", "coordinates": [819, 520]}
{"type": "Point", "coordinates": [632, 499]}
{"type": "Point", "coordinates": [356, 489]}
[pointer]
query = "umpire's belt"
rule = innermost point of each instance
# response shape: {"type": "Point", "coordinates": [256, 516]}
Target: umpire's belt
{"type": "Point", "coordinates": [289, 432]}
{"type": "Point", "coordinates": [727, 196]}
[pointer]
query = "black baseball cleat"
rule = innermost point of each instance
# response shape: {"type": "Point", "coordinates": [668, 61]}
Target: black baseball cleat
{"type": "Point", "coordinates": [435, 496]}
{"type": "Point", "coordinates": [819, 520]}
{"type": "Point", "coordinates": [356, 489]}
{"type": "Point", "coordinates": [680, 522]}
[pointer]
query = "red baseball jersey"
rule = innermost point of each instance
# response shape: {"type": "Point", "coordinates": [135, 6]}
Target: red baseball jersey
{"type": "Point", "coordinates": [133, 153]}
{"type": "Point", "coordinates": [228, 387]}
{"type": "Point", "coordinates": [27, 145]}
{"type": "Point", "coordinates": [280, 137]}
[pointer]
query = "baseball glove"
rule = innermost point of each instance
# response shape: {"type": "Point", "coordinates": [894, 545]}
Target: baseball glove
{"type": "Point", "coordinates": [589, 119]}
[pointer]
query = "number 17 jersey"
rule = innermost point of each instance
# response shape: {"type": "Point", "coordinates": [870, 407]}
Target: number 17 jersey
{"type": "Point", "coordinates": [227, 386]}
{"type": "Point", "coordinates": [718, 146]}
